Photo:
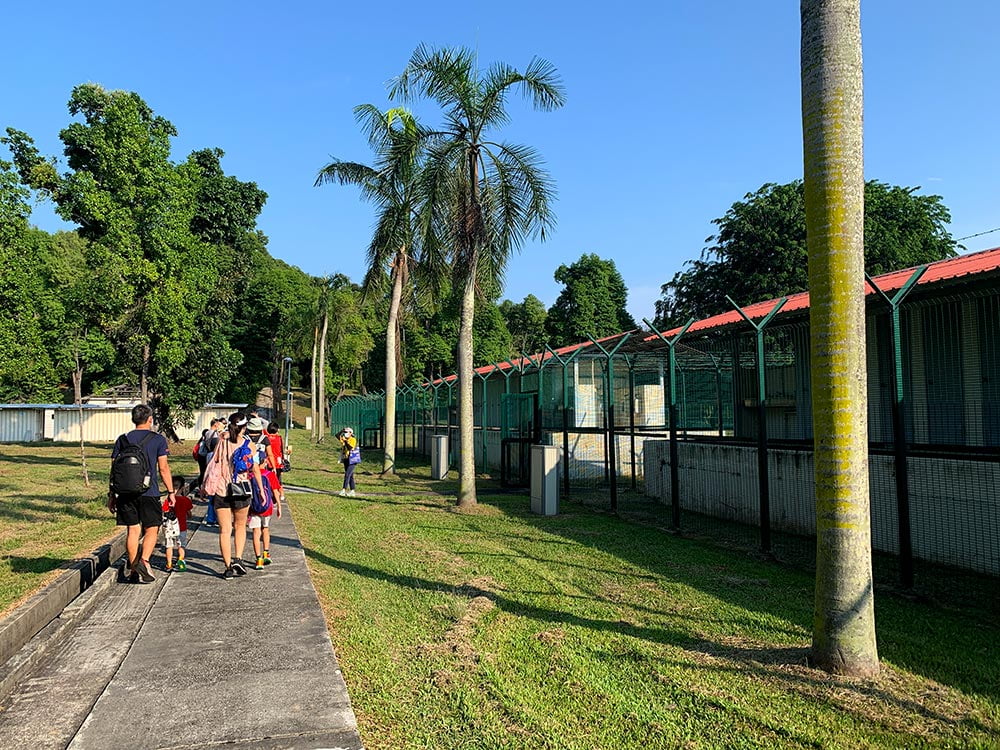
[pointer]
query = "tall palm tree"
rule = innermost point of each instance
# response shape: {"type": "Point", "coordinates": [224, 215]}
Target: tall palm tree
{"type": "Point", "coordinates": [481, 197]}
{"type": "Point", "coordinates": [390, 184]}
{"type": "Point", "coordinates": [832, 95]}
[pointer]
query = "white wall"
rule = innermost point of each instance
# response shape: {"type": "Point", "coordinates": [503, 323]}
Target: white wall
{"type": "Point", "coordinates": [954, 504]}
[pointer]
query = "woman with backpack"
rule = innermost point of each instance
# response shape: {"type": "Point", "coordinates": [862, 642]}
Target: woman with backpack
{"type": "Point", "coordinates": [228, 480]}
{"type": "Point", "coordinates": [350, 457]}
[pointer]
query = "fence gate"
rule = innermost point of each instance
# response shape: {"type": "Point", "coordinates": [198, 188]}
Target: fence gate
{"type": "Point", "coordinates": [520, 427]}
{"type": "Point", "coordinates": [370, 426]}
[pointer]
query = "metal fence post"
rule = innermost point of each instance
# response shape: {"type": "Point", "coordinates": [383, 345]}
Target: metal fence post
{"type": "Point", "coordinates": [675, 481]}
{"type": "Point", "coordinates": [630, 361]}
{"type": "Point", "coordinates": [610, 419]}
{"type": "Point", "coordinates": [565, 414]}
{"type": "Point", "coordinates": [899, 428]}
{"type": "Point", "coordinates": [762, 472]}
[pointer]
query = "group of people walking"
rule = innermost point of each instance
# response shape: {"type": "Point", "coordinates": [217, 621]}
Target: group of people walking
{"type": "Point", "coordinates": [240, 459]}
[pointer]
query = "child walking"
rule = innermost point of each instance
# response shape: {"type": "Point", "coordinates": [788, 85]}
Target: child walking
{"type": "Point", "coordinates": [175, 515]}
{"type": "Point", "coordinates": [260, 523]}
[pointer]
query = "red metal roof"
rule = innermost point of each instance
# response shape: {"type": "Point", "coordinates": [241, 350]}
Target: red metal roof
{"type": "Point", "coordinates": [950, 268]}
{"type": "Point", "coordinates": [942, 270]}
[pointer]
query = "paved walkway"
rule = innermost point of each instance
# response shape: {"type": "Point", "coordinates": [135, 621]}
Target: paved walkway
{"type": "Point", "coordinates": [193, 661]}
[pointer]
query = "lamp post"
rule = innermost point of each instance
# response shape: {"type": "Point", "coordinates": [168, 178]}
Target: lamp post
{"type": "Point", "coordinates": [287, 361]}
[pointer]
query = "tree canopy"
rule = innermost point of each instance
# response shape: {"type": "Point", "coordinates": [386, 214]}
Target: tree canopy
{"type": "Point", "coordinates": [165, 281]}
{"type": "Point", "coordinates": [760, 251]}
{"type": "Point", "coordinates": [526, 322]}
{"type": "Point", "coordinates": [592, 302]}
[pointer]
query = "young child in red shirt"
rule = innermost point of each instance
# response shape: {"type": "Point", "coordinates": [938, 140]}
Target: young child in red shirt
{"type": "Point", "coordinates": [175, 525]}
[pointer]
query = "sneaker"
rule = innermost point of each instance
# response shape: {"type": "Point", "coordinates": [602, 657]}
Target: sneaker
{"type": "Point", "coordinates": [228, 574]}
{"type": "Point", "coordinates": [352, 493]}
{"type": "Point", "coordinates": [145, 574]}
{"type": "Point", "coordinates": [260, 564]}
{"type": "Point", "coordinates": [342, 493]}
{"type": "Point", "coordinates": [168, 568]}
{"type": "Point", "coordinates": [267, 557]}
{"type": "Point", "coordinates": [129, 574]}
{"type": "Point", "coordinates": [238, 568]}
{"type": "Point", "coordinates": [182, 565]}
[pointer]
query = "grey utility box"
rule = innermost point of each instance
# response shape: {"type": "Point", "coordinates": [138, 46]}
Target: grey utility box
{"type": "Point", "coordinates": [439, 456]}
{"type": "Point", "coordinates": [545, 480]}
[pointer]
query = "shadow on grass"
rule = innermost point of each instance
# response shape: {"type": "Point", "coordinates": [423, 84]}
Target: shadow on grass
{"type": "Point", "coordinates": [954, 645]}
{"type": "Point", "coordinates": [42, 508]}
{"type": "Point", "coordinates": [40, 460]}
{"type": "Point", "coordinates": [37, 565]}
{"type": "Point", "coordinates": [770, 664]}
{"type": "Point", "coordinates": [942, 643]}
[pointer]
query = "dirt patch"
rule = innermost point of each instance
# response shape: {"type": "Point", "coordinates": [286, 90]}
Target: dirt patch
{"type": "Point", "coordinates": [457, 641]}
{"type": "Point", "coordinates": [476, 510]}
{"type": "Point", "coordinates": [552, 637]}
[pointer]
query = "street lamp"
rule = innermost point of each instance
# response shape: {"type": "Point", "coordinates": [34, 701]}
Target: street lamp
{"type": "Point", "coordinates": [288, 398]}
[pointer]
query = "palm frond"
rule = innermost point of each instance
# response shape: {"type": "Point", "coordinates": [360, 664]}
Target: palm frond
{"type": "Point", "coordinates": [345, 173]}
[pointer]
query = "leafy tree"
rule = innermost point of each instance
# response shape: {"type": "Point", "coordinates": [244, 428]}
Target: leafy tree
{"type": "Point", "coordinates": [226, 208]}
{"type": "Point", "coordinates": [592, 302]}
{"type": "Point", "coordinates": [26, 369]}
{"type": "Point", "coordinates": [395, 259]}
{"type": "Point", "coordinates": [481, 196]}
{"type": "Point", "coordinates": [75, 339]}
{"type": "Point", "coordinates": [135, 207]}
{"type": "Point", "coordinates": [349, 335]}
{"type": "Point", "coordinates": [526, 323]}
{"type": "Point", "coordinates": [844, 617]}
{"type": "Point", "coordinates": [760, 249]}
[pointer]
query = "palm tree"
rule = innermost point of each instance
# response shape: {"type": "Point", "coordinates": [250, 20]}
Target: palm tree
{"type": "Point", "coordinates": [389, 184]}
{"type": "Point", "coordinates": [844, 619]}
{"type": "Point", "coordinates": [480, 197]}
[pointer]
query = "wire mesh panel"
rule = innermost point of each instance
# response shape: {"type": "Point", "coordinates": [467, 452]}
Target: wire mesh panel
{"type": "Point", "coordinates": [616, 442]}
{"type": "Point", "coordinates": [988, 324]}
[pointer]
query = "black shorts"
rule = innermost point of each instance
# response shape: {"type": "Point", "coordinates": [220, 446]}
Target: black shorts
{"type": "Point", "coordinates": [223, 502]}
{"type": "Point", "coordinates": [138, 510]}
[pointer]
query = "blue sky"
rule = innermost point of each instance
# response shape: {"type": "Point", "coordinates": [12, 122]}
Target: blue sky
{"type": "Point", "coordinates": [674, 110]}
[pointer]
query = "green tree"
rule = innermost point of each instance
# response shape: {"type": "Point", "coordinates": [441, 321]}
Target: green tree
{"type": "Point", "coordinates": [394, 256]}
{"type": "Point", "coordinates": [526, 322]}
{"type": "Point", "coordinates": [482, 196]}
{"type": "Point", "coordinates": [832, 93]}
{"type": "Point", "coordinates": [592, 302]}
{"type": "Point", "coordinates": [135, 207]}
{"type": "Point", "coordinates": [760, 250]}
{"type": "Point", "coordinates": [349, 336]}
{"type": "Point", "coordinates": [26, 369]}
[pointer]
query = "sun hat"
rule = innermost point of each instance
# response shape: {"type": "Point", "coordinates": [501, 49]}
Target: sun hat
{"type": "Point", "coordinates": [348, 431]}
{"type": "Point", "coordinates": [256, 425]}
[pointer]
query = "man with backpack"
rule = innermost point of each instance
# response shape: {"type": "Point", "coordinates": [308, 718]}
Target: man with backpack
{"type": "Point", "coordinates": [138, 460]}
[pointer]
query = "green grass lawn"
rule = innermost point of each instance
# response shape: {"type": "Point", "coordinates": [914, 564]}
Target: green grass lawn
{"type": "Point", "coordinates": [500, 629]}
{"type": "Point", "coordinates": [48, 518]}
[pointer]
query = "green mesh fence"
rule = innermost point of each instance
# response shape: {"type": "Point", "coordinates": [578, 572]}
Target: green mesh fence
{"type": "Point", "coordinates": [613, 423]}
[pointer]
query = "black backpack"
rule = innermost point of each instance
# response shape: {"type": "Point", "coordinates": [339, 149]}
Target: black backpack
{"type": "Point", "coordinates": [130, 468]}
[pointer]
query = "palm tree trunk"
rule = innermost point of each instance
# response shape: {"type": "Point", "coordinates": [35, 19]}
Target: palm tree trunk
{"type": "Point", "coordinates": [391, 352]}
{"type": "Point", "coordinates": [466, 425]}
{"type": "Point", "coordinates": [832, 97]}
{"type": "Point", "coordinates": [312, 382]}
{"type": "Point", "coordinates": [321, 387]}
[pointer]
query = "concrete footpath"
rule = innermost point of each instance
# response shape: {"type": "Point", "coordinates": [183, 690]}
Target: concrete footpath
{"type": "Point", "coordinates": [192, 661]}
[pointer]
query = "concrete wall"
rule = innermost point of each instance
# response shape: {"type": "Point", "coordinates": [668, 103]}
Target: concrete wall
{"type": "Point", "coordinates": [954, 504]}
